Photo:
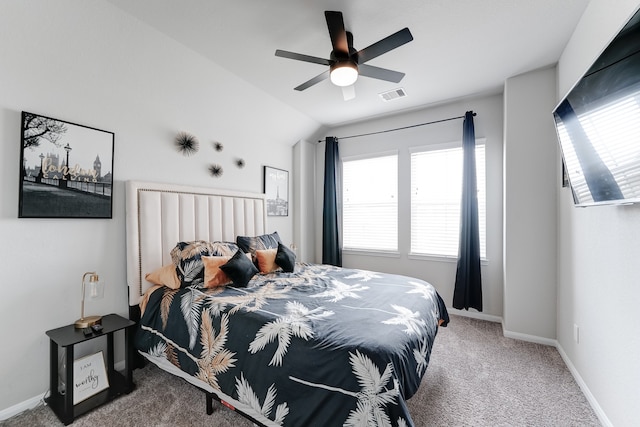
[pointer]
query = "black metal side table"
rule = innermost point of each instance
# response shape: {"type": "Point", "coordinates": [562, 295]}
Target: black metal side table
{"type": "Point", "coordinates": [119, 382]}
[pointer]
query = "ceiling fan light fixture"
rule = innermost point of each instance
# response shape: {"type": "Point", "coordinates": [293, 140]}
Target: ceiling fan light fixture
{"type": "Point", "coordinates": [344, 73]}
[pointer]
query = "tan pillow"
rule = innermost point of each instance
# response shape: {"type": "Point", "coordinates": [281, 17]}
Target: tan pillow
{"type": "Point", "coordinates": [266, 259]}
{"type": "Point", "coordinates": [165, 275]}
{"type": "Point", "coordinates": [213, 276]}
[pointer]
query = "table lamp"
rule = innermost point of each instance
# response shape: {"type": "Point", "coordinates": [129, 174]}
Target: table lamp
{"type": "Point", "coordinates": [93, 290]}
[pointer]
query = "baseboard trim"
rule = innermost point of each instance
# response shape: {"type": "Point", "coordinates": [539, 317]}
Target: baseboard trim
{"type": "Point", "coordinates": [475, 315]}
{"type": "Point", "coordinates": [530, 338]}
{"type": "Point", "coordinates": [602, 417]}
{"type": "Point", "coordinates": [14, 410]}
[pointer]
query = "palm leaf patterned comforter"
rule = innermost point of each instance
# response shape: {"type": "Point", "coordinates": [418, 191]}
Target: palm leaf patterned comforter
{"type": "Point", "coordinates": [322, 346]}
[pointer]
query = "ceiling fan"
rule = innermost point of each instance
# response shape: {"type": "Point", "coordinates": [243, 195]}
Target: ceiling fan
{"type": "Point", "coordinates": [345, 63]}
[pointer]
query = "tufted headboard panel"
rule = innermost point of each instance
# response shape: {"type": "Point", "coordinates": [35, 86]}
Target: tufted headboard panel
{"type": "Point", "coordinates": [160, 215]}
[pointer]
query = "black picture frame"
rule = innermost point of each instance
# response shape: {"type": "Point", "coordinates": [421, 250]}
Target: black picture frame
{"type": "Point", "coordinates": [49, 188]}
{"type": "Point", "coordinates": [276, 190]}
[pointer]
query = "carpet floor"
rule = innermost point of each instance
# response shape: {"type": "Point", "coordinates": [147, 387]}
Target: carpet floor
{"type": "Point", "coordinates": [476, 377]}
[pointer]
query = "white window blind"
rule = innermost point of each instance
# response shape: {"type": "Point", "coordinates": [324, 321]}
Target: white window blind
{"type": "Point", "coordinates": [370, 203]}
{"type": "Point", "coordinates": [436, 193]}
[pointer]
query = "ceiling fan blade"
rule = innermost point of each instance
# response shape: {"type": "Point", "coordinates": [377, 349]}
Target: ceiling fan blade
{"type": "Point", "coordinates": [301, 57]}
{"type": "Point", "coordinates": [380, 73]}
{"type": "Point", "coordinates": [338, 35]}
{"type": "Point", "coordinates": [385, 45]}
{"type": "Point", "coordinates": [349, 92]}
{"type": "Point", "coordinates": [317, 79]}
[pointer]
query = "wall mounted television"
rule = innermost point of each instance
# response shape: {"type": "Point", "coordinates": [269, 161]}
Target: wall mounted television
{"type": "Point", "coordinates": [598, 125]}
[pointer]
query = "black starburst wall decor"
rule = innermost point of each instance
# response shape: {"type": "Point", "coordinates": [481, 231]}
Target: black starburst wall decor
{"type": "Point", "coordinates": [186, 143]}
{"type": "Point", "coordinates": [240, 163]}
{"type": "Point", "coordinates": [218, 146]}
{"type": "Point", "coordinates": [215, 170]}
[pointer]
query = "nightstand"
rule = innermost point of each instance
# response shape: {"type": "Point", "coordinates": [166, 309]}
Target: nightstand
{"type": "Point", "coordinates": [119, 382]}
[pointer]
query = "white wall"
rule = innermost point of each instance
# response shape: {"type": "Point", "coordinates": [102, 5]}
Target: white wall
{"type": "Point", "coordinates": [598, 267]}
{"type": "Point", "coordinates": [89, 63]}
{"type": "Point", "coordinates": [440, 273]}
{"type": "Point", "coordinates": [530, 183]}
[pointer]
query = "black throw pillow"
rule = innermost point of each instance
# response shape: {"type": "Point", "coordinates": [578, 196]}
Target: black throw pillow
{"type": "Point", "coordinates": [285, 258]}
{"type": "Point", "coordinates": [239, 269]}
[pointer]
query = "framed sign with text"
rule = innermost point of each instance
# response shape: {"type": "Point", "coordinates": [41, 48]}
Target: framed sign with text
{"type": "Point", "coordinates": [89, 377]}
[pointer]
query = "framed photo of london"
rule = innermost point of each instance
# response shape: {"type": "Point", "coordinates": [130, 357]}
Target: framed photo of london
{"type": "Point", "coordinates": [276, 190]}
{"type": "Point", "coordinates": [66, 169]}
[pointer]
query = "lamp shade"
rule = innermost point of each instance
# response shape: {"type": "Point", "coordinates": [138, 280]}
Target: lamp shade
{"type": "Point", "coordinates": [94, 289]}
{"type": "Point", "coordinates": [344, 73]}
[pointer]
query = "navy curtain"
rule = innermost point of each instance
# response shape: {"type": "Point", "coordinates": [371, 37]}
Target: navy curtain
{"type": "Point", "coordinates": [331, 238]}
{"type": "Point", "coordinates": [468, 288]}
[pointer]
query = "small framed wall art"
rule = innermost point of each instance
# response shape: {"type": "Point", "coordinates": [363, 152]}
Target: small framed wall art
{"type": "Point", "coordinates": [66, 169]}
{"type": "Point", "coordinates": [276, 189]}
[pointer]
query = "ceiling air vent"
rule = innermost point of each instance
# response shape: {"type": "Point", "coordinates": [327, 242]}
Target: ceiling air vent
{"type": "Point", "coordinates": [393, 94]}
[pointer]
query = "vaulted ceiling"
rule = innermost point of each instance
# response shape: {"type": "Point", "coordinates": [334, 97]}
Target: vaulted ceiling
{"type": "Point", "coordinates": [461, 47]}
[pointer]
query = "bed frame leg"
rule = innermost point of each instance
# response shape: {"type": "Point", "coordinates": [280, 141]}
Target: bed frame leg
{"type": "Point", "coordinates": [209, 403]}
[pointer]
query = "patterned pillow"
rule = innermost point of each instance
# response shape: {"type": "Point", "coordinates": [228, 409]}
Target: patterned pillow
{"type": "Point", "coordinates": [285, 258]}
{"type": "Point", "coordinates": [252, 244]}
{"type": "Point", "coordinates": [187, 256]}
{"type": "Point", "coordinates": [239, 269]}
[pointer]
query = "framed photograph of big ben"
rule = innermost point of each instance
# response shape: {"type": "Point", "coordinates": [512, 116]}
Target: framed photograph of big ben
{"type": "Point", "coordinates": [66, 169]}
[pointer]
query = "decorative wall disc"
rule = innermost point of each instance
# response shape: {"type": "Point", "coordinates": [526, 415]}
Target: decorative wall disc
{"type": "Point", "coordinates": [186, 143]}
{"type": "Point", "coordinates": [215, 170]}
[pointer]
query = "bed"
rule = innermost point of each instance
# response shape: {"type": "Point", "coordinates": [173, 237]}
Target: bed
{"type": "Point", "coordinates": [294, 344]}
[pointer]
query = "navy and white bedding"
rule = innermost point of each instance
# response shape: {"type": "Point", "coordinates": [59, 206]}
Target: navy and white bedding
{"type": "Point", "coordinates": [322, 346]}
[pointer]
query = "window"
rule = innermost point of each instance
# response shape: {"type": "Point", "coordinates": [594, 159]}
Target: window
{"type": "Point", "coordinates": [436, 192]}
{"type": "Point", "coordinates": [370, 203]}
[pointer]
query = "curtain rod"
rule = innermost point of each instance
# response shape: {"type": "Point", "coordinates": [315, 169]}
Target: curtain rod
{"type": "Point", "coordinates": [401, 128]}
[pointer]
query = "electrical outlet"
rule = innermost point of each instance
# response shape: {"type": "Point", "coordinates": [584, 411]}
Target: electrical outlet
{"type": "Point", "coordinates": [576, 333]}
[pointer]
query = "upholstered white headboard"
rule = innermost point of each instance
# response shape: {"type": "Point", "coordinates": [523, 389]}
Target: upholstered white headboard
{"type": "Point", "coordinates": [160, 215]}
